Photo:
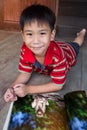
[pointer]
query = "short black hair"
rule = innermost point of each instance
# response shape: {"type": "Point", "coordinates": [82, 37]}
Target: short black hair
{"type": "Point", "coordinates": [39, 13]}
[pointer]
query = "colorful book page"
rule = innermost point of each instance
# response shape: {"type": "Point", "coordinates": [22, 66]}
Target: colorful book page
{"type": "Point", "coordinates": [24, 117]}
{"type": "Point", "coordinates": [76, 108]}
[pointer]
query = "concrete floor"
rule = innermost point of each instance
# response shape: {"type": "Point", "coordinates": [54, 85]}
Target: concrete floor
{"type": "Point", "coordinates": [10, 43]}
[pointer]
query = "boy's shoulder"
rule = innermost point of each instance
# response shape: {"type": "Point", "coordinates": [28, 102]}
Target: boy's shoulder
{"type": "Point", "coordinates": [25, 49]}
{"type": "Point", "coordinates": [23, 46]}
{"type": "Point", "coordinates": [55, 49]}
{"type": "Point", "coordinates": [27, 54]}
{"type": "Point", "coordinates": [57, 46]}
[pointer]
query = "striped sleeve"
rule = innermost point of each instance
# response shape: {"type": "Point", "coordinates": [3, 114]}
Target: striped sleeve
{"type": "Point", "coordinates": [58, 74]}
{"type": "Point", "coordinates": [63, 61]}
{"type": "Point", "coordinates": [24, 67]}
{"type": "Point", "coordinates": [69, 54]}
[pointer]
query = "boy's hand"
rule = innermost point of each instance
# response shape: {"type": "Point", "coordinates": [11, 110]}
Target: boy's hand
{"type": "Point", "coordinates": [20, 90]}
{"type": "Point", "coordinates": [10, 95]}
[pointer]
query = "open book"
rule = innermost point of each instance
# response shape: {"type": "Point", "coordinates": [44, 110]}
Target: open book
{"type": "Point", "coordinates": [48, 112]}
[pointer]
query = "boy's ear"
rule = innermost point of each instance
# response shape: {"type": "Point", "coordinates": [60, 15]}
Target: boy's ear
{"type": "Point", "coordinates": [53, 33]}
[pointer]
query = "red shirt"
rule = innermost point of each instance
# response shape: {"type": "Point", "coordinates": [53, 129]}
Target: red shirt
{"type": "Point", "coordinates": [58, 60]}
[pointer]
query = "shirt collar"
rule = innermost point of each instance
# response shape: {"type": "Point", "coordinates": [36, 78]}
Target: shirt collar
{"type": "Point", "coordinates": [29, 56]}
{"type": "Point", "coordinates": [49, 54]}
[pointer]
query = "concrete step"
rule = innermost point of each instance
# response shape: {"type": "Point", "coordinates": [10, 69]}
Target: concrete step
{"type": "Point", "coordinates": [69, 25]}
{"type": "Point", "coordinates": [73, 8]}
{"type": "Point", "coordinates": [72, 21]}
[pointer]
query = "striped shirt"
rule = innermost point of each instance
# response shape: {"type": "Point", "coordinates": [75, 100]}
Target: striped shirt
{"type": "Point", "coordinates": [60, 57]}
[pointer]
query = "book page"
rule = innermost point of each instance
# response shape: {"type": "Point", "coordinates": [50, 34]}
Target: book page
{"type": "Point", "coordinates": [39, 113]}
{"type": "Point", "coordinates": [76, 107]}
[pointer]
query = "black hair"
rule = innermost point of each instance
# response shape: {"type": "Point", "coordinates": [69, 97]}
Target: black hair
{"type": "Point", "coordinates": [39, 13]}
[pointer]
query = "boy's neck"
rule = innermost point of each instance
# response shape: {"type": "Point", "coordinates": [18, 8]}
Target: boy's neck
{"type": "Point", "coordinates": [40, 59]}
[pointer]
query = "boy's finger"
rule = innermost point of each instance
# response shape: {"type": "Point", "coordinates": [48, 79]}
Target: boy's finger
{"type": "Point", "coordinates": [14, 98]}
{"type": "Point", "coordinates": [17, 86]}
{"type": "Point", "coordinates": [10, 95]}
{"type": "Point", "coordinates": [13, 92]}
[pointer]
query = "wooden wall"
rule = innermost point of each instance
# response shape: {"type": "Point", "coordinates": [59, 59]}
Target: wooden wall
{"type": "Point", "coordinates": [11, 10]}
{"type": "Point", "coordinates": [1, 11]}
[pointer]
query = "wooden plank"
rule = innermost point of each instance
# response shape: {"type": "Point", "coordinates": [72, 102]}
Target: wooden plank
{"type": "Point", "coordinates": [84, 66]}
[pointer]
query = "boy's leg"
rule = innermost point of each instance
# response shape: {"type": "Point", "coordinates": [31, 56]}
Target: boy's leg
{"type": "Point", "coordinates": [78, 41]}
{"type": "Point", "coordinates": [80, 37]}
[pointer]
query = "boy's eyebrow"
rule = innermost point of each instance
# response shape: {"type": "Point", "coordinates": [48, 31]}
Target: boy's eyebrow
{"type": "Point", "coordinates": [39, 30]}
{"type": "Point", "coordinates": [27, 30]}
{"type": "Point", "coordinates": [44, 30]}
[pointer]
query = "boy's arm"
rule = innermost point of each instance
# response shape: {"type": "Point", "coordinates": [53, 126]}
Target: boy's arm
{"type": "Point", "coordinates": [44, 88]}
{"type": "Point", "coordinates": [10, 94]}
{"type": "Point", "coordinates": [22, 78]}
{"type": "Point", "coordinates": [21, 90]}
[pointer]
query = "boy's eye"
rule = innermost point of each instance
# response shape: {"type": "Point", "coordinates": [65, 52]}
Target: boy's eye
{"type": "Point", "coordinates": [43, 33]}
{"type": "Point", "coordinates": [30, 34]}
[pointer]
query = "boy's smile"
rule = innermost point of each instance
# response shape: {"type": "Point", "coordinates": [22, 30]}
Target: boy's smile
{"type": "Point", "coordinates": [37, 37]}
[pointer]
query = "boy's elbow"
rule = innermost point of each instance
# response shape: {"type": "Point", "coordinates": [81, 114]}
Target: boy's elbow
{"type": "Point", "coordinates": [58, 87]}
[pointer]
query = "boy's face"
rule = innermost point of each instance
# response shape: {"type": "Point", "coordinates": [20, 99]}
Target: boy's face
{"type": "Point", "coordinates": [37, 37]}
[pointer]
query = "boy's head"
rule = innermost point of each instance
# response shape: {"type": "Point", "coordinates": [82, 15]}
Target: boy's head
{"type": "Point", "coordinates": [39, 13]}
{"type": "Point", "coordinates": [37, 24]}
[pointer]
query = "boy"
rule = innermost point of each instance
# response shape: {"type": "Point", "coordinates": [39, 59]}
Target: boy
{"type": "Point", "coordinates": [42, 54]}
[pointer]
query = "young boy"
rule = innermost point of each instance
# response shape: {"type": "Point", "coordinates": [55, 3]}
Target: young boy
{"type": "Point", "coordinates": [42, 54]}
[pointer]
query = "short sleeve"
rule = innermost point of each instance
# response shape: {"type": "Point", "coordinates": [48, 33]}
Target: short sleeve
{"type": "Point", "coordinates": [24, 66]}
{"type": "Point", "coordinates": [58, 73]}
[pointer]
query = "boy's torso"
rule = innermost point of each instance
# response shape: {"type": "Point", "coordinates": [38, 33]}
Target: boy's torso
{"type": "Point", "coordinates": [59, 58]}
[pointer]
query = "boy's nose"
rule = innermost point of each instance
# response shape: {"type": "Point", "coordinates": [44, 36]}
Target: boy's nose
{"type": "Point", "coordinates": [35, 40]}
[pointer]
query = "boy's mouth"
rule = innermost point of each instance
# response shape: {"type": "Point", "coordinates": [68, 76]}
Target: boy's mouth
{"type": "Point", "coordinates": [37, 48]}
